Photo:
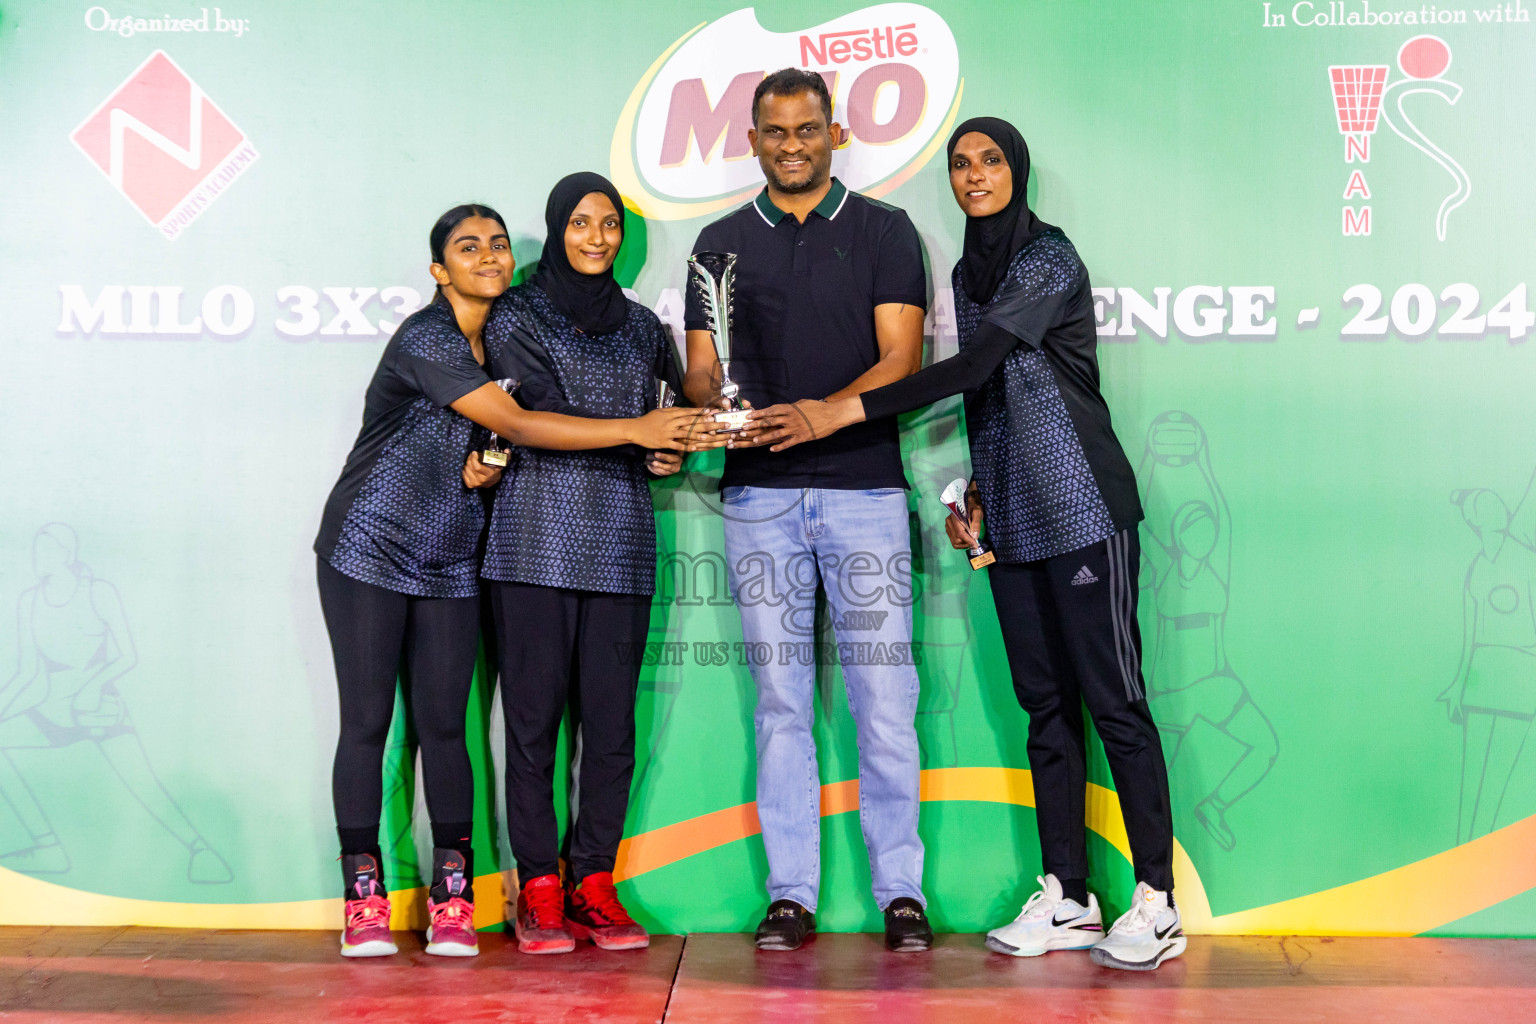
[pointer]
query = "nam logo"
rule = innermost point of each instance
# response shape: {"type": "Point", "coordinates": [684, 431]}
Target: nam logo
{"type": "Point", "coordinates": [164, 144]}
{"type": "Point", "coordinates": [1361, 96]}
{"type": "Point", "coordinates": [680, 148]}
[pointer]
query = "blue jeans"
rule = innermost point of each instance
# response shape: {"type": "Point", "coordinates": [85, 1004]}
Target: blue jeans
{"type": "Point", "coordinates": [780, 545]}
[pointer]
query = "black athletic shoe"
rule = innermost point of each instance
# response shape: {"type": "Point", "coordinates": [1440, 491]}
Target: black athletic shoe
{"type": "Point", "coordinates": [786, 926]}
{"type": "Point", "coordinates": [906, 926]}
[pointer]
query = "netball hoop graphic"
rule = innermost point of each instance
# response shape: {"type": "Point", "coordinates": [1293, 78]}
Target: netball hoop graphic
{"type": "Point", "coordinates": [1361, 96]}
{"type": "Point", "coordinates": [1357, 93]}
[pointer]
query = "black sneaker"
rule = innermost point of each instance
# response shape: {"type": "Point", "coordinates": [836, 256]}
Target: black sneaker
{"type": "Point", "coordinates": [906, 926]}
{"type": "Point", "coordinates": [786, 926]}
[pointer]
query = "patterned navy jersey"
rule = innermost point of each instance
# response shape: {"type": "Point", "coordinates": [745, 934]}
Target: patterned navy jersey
{"type": "Point", "coordinates": [400, 517]}
{"type": "Point", "coordinates": [581, 520]}
{"type": "Point", "coordinates": [1051, 473]}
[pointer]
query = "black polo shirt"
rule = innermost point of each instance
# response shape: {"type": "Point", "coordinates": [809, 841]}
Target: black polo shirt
{"type": "Point", "coordinates": [803, 326]}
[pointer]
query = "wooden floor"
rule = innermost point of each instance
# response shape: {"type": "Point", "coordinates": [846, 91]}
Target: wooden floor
{"type": "Point", "coordinates": [121, 975]}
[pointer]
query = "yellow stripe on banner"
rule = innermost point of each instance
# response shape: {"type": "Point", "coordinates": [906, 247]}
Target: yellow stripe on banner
{"type": "Point", "coordinates": [1404, 901]}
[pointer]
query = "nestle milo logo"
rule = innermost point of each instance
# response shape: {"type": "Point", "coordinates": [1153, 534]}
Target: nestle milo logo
{"type": "Point", "coordinates": [680, 148]}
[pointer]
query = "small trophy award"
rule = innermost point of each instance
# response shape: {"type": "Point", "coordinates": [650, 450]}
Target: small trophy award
{"type": "Point", "coordinates": [954, 500]}
{"type": "Point", "coordinates": [493, 454]}
{"type": "Point", "coordinates": [714, 274]}
{"type": "Point", "coordinates": [666, 398]}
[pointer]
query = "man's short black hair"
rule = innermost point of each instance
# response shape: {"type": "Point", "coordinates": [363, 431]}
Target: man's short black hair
{"type": "Point", "coordinates": [787, 82]}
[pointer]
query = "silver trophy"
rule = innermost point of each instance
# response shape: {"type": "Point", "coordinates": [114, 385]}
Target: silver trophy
{"type": "Point", "coordinates": [666, 398]}
{"type": "Point", "coordinates": [714, 275]}
{"type": "Point", "coordinates": [954, 500]}
{"type": "Point", "coordinates": [493, 454]}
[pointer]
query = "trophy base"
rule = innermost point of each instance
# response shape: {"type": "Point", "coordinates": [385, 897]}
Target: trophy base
{"type": "Point", "coordinates": [494, 457]}
{"type": "Point", "coordinates": [732, 421]}
{"type": "Point", "coordinates": [983, 560]}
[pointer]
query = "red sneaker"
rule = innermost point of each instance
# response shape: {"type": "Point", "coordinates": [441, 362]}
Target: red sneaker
{"type": "Point", "coordinates": [540, 925]}
{"type": "Point", "coordinates": [366, 911]}
{"type": "Point", "coordinates": [594, 912]}
{"type": "Point", "coordinates": [450, 902]}
{"type": "Point", "coordinates": [452, 931]}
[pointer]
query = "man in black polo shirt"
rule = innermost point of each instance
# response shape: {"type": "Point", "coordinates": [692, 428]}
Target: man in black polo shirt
{"type": "Point", "coordinates": [829, 300]}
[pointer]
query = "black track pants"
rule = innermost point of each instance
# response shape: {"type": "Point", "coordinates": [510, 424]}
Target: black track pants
{"type": "Point", "coordinates": [559, 647]}
{"type": "Point", "coordinates": [430, 644]}
{"type": "Point", "coordinates": [1069, 626]}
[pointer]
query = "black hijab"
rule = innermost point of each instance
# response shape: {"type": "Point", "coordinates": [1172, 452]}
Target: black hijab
{"type": "Point", "coordinates": [992, 242]}
{"type": "Point", "coordinates": [593, 302]}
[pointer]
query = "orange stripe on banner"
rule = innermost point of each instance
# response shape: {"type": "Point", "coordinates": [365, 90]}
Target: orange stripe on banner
{"type": "Point", "coordinates": [672, 843]}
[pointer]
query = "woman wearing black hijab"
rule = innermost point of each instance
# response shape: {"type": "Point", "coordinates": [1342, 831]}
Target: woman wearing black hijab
{"type": "Point", "coordinates": [1061, 512]}
{"type": "Point", "coordinates": [571, 554]}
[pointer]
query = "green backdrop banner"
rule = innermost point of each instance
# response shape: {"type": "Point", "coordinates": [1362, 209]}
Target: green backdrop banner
{"type": "Point", "coordinates": [1309, 230]}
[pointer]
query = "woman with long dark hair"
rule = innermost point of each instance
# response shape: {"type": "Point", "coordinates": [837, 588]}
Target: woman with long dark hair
{"type": "Point", "coordinates": [571, 560]}
{"type": "Point", "coordinates": [398, 566]}
{"type": "Point", "coordinates": [1062, 514]}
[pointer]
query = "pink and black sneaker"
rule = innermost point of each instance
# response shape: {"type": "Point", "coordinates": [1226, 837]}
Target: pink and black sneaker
{"type": "Point", "coordinates": [594, 912]}
{"type": "Point", "coordinates": [366, 928]}
{"type": "Point", "coordinates": [540, 924]}
{"type": "Point", "coordinates": [451, 904]}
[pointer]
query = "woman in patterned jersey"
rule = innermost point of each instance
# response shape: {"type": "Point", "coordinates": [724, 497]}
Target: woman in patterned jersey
{"type": "Point", "coordinates": [571, 564]}
{"type": "Point", "coordinates": [398, 560]}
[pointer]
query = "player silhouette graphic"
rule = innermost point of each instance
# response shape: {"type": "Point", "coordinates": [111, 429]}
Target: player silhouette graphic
{"type": "Point", "coordinates": [1493, 696]}
{"type": "Point", "coordinates": [1188, 559]}
{"type": "Point", "coordinates": [74, 645]}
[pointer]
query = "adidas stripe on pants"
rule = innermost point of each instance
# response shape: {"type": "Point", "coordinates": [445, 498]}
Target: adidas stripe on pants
{"type": "Point", "coordinates": [1069, 627]}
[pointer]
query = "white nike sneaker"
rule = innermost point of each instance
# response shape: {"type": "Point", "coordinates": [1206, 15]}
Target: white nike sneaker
{"type": "Point", "coordinates": [1144, 936]}
{"type": "Point", "coordinates": [1049, 921]}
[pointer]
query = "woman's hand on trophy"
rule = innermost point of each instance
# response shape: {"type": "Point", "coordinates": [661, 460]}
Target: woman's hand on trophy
{"type": "Point", "coordinates": [784, 426]}
{"type": "Point", "coordinates": [477, 474]}
{"type": "Point", "coordinates": [663, 463]}
{"type": "Point", "coordinates": [677, 429]}
{"type": "Point", "coordinates": [961, 535]}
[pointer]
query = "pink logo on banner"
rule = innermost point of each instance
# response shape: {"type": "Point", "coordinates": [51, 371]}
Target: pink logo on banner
{"type": "Point", "coordinates": [164, 144]}
{"type": "Point", "coordinates": [1361, 95]}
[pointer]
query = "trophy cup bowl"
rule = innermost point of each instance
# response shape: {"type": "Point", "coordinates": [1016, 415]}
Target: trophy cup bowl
{"type": "Point", "coordinates": [714, 275]}
{"type": "Point", "coordinates": [953, 498]}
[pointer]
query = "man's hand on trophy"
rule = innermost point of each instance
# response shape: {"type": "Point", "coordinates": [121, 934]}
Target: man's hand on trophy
{"type": "Point", "coordinates": [663, 463]}
{"type": "Point", "coordinates": [477, 474]}
{"type": "Point", "coordinates": [784, 426]}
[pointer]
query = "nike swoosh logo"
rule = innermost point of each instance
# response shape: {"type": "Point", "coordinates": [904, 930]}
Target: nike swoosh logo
{"type": "Point", "coordinates": [1161, 935]}
{"type": "Point", "coordinates": [1057, 924]}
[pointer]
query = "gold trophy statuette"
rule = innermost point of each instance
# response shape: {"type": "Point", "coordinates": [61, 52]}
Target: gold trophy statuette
{"type": "Point", "coordinates": [954, 500]}
{"type": "Point", "coordinates": [493, 454]}
{"type": "Point", "coordinates": [714, 275]}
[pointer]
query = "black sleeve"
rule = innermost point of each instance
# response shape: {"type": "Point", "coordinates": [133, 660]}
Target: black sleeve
{"type": "Point", "coordinates": [522, 357]}
{"type": "Point", "coordinates": [1029, 302]}
{"type": "Point", "coordinates": [538, 392]}
{"type": "Point", "coordinates": [963, 372]}
{"type": "Point", "coordinates": [435, 360]}
{"type": "Point", "coordinates": [899, 275]}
